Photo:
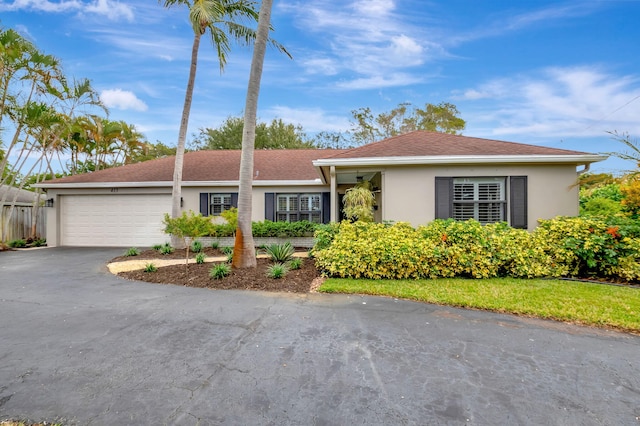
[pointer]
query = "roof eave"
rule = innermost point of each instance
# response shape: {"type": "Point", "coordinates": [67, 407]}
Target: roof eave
{"type": "Point", "coordinates": [461, 159]}
{"type": "Point", "coordinates": [165, 184]}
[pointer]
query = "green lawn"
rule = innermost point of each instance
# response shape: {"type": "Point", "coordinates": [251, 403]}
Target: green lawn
{"type": "Point", "coordinates": [585, 303]}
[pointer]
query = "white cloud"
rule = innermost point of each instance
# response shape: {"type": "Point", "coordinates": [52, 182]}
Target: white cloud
{"type": "Point", "coordinates": [368, 39]}
{"type": "Point", "coordinates": [144, 43]}
{"type": "Point", "coordinates": [43, 5]}
{"type": "Point", "coordinates": [311, 119]}
{"type": "Point", "coordinates": [113, 10]}
{"type": "Point", "coordinates": [380, 81]}
{"type": "Point", "coordinates": [559, 102]}
{"type": "Point", "coordinates": [121, 99]}
{"type": "Point", "coordinates": [405, 50]}
{"type": "Point", "coordinates": [509, 23]}
{"type": "Point", "coordinates": [376, 8]}
{"type": "Point", "coordinates": [325, 66]}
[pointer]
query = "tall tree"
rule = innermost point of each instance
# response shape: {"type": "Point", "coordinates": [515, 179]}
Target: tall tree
{"type": "Point", "coordinates": [244, 251]}
{"type": "Point", "coordinates": [152, 151]}
{"type": "Point", "coordinates": [405, 118]}
{"type": "Point", "coordinates": [218, 18]}
{"type": "Point", "coordinates": [274, 135]}
{"type": "Point", "coordinates": [632, 152]}
{"type": "Point", "coordinates": [132, 143]}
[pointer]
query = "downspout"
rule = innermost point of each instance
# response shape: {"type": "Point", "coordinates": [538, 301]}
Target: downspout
{"type": "Point", "coordinates": [333, 195]}
{"type": "Point", "coordinates": [586, 169]}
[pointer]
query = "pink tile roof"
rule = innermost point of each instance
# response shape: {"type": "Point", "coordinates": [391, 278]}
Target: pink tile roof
{"type": "Point", "coordinates": [216, 165]}
{"type": "Point", "coordinates": [423, 143]}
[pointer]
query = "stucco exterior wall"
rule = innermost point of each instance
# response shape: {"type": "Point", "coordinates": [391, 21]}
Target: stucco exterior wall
{"type": "Point", "coordinates": [408, 193]}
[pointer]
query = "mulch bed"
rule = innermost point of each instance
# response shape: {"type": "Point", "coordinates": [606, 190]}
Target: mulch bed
{"type": "Point", "coordinates": [295, 281]}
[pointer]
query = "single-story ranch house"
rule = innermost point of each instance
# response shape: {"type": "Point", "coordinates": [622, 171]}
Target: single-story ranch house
{"type": "Point", "coordinates": [416, 177]}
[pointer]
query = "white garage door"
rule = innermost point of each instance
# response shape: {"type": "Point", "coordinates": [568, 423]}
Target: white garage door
{"type": "Point", "coordinates": [113, 220]}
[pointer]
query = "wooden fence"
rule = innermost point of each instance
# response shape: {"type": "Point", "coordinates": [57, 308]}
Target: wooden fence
{"type": "Point", "coordinates": [18, 226]}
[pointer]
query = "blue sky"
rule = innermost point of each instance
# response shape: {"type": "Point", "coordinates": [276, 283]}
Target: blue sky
{"type": "Point", "coordinates": [552, 73]}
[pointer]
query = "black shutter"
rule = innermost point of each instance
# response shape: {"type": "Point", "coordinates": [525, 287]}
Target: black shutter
{"type": "Point", "coordinates": [326, 207]}
{"type": "Point", "coordinates": [270, 206]}
{"type": "Point", "coordinates": [444, 197]}
{"type": "Point", "coordinates": [518, 201]}
{"type": "Point", "coordinates": [234, 199]}
{"type": "Point", "coordinates": [204, 203]}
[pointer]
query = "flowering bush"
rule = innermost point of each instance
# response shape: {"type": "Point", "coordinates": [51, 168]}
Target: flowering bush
{"type": "Point", "coordinates": [447, 248]}
{"type": "Point", "coordinates": [588, 247]}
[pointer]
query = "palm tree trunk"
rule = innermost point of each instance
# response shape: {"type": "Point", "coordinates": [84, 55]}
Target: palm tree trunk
{"type": "Point", "coordinates": [176, 193]}
{"type": "Point", "coordinates": [244, 252]}
{"type": "Point", "coordinates": [35, 207]}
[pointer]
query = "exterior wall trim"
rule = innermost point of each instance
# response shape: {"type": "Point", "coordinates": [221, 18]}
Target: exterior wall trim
{"type": "Point", "coordinates": [162, 184]}
{"type": "Point", "coordinates": [461, 159]}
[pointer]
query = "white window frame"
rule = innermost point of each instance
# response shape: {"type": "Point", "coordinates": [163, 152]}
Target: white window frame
{"type": "Point", "coordinates": [299, 206]}
{"type": "Point", "coordinates": [223, 204]}
{"type": "Point", "coordinates": [477, 198]}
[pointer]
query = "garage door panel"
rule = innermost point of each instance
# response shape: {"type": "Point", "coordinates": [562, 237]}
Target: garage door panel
{"type": "Point", "coordinates": [113, 220]}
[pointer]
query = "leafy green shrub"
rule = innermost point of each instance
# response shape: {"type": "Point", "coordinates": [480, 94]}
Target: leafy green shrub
{"type": "Point", "coordinates": [200, 258]}
{"type": "Point", "coordinates": [150, 267]}
{"type": "Point", "coordinates": [219, 271]}
{"type": "Point", "coordinates": [277, 270]}
{"type": "Point", "coordinates": [280, 252]}
{"type": "Point", "coordinates": [166, 249]}
{"type": "Point", "coordinates": [324, 235]}
{"type": "Point", "coordinates": [17, 243]}
{"type": "Point", "coordinates": [156, 247]}
{"type": "Point", "coordinates": [373, 250]}
{"type": "Point", "coordinates": [515, 252]}
{"type": "Point", "coordinates": [445, 248]}
{"type": "Point", "coordinates": [221, 230]}
{"type": "Point", "coordinates": [631, 192]}
{"type": "Point", "coordinates": [582, 247]}
{"type": "Point", "coordinates": [231, 216]}
{"type": "Point", "coordinates": [214, 244]}
{"type": "Point", "coordinates": [196, 246]}
{"type": "Point", "coordinates": [227, 251]}
{"type": "Point", "coordinates": [295, 263]}
{"type": "Point", "coordinates": [601, 207]}
{"type": "Point", "coordinates": [132, 251]}
{"type": "Point", "coordinates": [609, 191]}
{"type": "Point", "coordinates": [39, 242]}
{"type": "Point", "coordinates": [629, 227]}
{"type": "Point", "coordinates": [461, 248]}
{"type": "Point", "coordinates": [268, 228]}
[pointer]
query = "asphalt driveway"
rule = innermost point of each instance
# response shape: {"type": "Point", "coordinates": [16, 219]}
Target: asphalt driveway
{"type": "Point", "coordinates": [80, 346]}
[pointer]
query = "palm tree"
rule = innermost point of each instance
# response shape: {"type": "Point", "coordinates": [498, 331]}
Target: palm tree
{"type": "Point", "coordinates": [218, 18]}
{"type": "Point", "coordinates": [244, 252]}
{"type": "Point", "coordinates": [132, 142]}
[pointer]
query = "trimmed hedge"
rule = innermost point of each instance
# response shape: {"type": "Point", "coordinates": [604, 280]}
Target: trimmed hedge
{"type": "Point", "coordinates": [268, 228]}
{"type": "Point", "coordinates": [562, 247]}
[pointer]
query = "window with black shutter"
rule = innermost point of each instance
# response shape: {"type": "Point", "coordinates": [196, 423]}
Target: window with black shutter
{"type": "Point", "coordinates": [484, 199]}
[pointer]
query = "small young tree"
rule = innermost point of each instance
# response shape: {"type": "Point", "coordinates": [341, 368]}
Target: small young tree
{"type": "Point", "coordinates": [231, 216]}
{"type": "Point", "coordinates": [359, 202]}
{"type": "Point", "coordinates": [187, 227]}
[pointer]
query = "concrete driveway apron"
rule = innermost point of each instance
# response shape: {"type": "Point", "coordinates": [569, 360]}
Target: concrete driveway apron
{"type": "Point", "coordinates": [80, 346]}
